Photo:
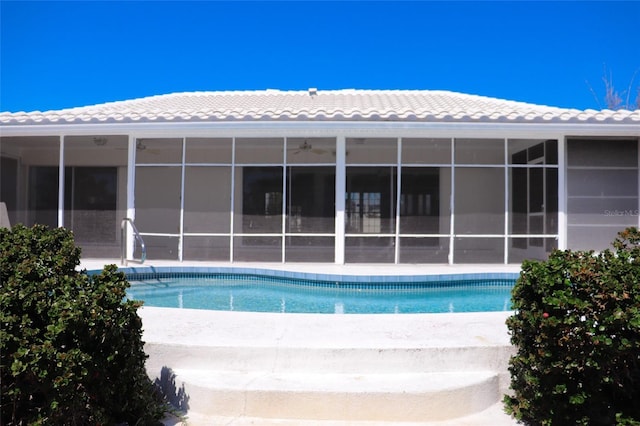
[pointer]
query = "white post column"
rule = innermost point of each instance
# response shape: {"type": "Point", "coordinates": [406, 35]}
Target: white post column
{"type": "Point", "coordinates": [506, 202]}
{"type": "Point", "coordinates": [61, 183]}
{"type": "Point", "coordinates": [285, 195]}
{"type": "Point", "coordinates": [562, 193]}
{"type": "Point", "coordinates": [452, 207]}
{"type": "Point", "coordinates": [341, 185]}
{"type": "Point", "coordinates": [181, 224]}
{"type": "Point", "coordinates": [232, 200]}
{"type": "Point", "coordinates": [396, 259]}
{"type": "Point", "coordinates": [131, 181]}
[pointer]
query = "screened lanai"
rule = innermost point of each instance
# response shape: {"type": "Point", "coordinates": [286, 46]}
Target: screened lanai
{"type": "Point", "coordinates": [354, 189]}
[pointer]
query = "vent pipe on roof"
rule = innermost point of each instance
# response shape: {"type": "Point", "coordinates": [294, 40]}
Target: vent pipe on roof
{"type": "Point", "coordinates": [313, 91]}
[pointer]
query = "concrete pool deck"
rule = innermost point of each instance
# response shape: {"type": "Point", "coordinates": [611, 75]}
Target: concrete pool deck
{"type": "Point", "coordinates": [321, 268]}
{"type": "Point", "coordinates": [243, 368]}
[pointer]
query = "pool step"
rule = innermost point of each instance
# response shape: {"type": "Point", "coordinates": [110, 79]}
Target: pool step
{"type": "Point", "coordinates": [322, 359]}
{"type": "Point", "coordinates": [492, 416]}
{"type": "Point", "coordinates": [330, 370]}
{"type": "Point", "coordinates": [390, 397]}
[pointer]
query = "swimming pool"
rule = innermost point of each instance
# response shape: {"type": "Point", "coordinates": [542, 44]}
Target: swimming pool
{"type": "Point", "coordinates": [279, 291]}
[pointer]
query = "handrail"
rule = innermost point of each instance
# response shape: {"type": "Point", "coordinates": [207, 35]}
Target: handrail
{"type": "Point", "coordinates": [123, 242]}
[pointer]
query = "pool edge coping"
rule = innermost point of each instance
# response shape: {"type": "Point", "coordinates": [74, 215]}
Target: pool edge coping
{"type": "Point", "coordinates": [313, 276]}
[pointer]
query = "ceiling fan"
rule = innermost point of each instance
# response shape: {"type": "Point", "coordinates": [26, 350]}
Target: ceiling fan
{"type": "Point", "coordinates": [140, 146]}
{"type": "Point", "coordinates": [307, 147]}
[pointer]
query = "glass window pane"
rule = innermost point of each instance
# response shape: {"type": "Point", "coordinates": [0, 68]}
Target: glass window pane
{"type": "Point", "coordinates": [478, 250]}
{"type": "Point", "coordinates": [29, 179]}
{"type": "Point", "coordinates": [259, 150]}
{"type": "Point", "coordinates": [424, 206]}
{"type": "Point", "coordinates": [206, 248]}
{"type": "Point", "coordinates": [158, 151]}
{"type": "Point", "coordinates": [258, 200]}
{"type": "Point", "coordinates": [479, 200]}
{"type": "Point", "coordinates": [424, 250]}
{"type": "Point", "coordinates": [426, 151]}
{"type": "Point", "coordinates": [311, 199]}
{"type": "Point", "coordinates": [257, 249]}
{"type": "Point", "coordinates": [207, 199]}
{"type": "Point", "coordinates": [372, 151]}
{"type": "Point", "coordinates": [370, 250]}
{"type": "Point", "coordinates": [310, 249]}
{"type": "Point", "coordinates": [208, 150]}
{"type": "Point", "coordinates": [479, 151]}
{"type": "Point", "coordinates": [370, 200]}
{"type": "Point", "coordinates": [532, 151]}
{"type": "Point", "coordinates": [311, 150]}
{"type": "Point", "coordinates": [157, 199]}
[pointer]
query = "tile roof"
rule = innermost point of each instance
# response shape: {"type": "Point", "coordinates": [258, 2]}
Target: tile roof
{"type": "Point", "coordinates": [316, 105]}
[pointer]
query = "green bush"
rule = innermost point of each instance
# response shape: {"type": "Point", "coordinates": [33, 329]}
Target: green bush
{"type": "Point", "coordinates": [576, 328]}
{"type": "Point", "coordinates": [70, 343]}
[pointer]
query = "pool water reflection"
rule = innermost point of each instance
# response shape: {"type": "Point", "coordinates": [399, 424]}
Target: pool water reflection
{"type": "Point", "coordinates": [255, 295]}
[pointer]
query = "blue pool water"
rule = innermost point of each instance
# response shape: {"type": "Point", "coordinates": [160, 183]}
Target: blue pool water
{"type": "Point", "coordinates": [256, 293]}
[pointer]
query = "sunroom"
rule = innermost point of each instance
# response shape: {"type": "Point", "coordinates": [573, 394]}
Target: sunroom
{"type": "Point", "coordinates": [348, 176]}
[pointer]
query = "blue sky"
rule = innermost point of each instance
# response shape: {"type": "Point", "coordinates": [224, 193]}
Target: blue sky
{"type": "Point", "coordinates": [63, 54]}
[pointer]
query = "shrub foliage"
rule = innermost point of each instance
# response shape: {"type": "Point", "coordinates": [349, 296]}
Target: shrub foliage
{"type": "Point", "coordinates": [576, 328]}
{"type": "Point", "coordinates": [70, 343]}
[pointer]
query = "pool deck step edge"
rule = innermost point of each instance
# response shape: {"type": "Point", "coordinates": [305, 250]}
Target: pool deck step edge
{"type": "Point", "coordinates": [190, 327]}
{"type": "Point", "coordinates": [393, 397]}
{"type": "Point", "coordinates": [334, 360]}
{"type": "Point", "coordinates": [492, 416]}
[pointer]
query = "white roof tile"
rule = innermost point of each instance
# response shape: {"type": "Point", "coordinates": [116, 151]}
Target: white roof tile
{"type": "Point", "coordinates": [333, 105]}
